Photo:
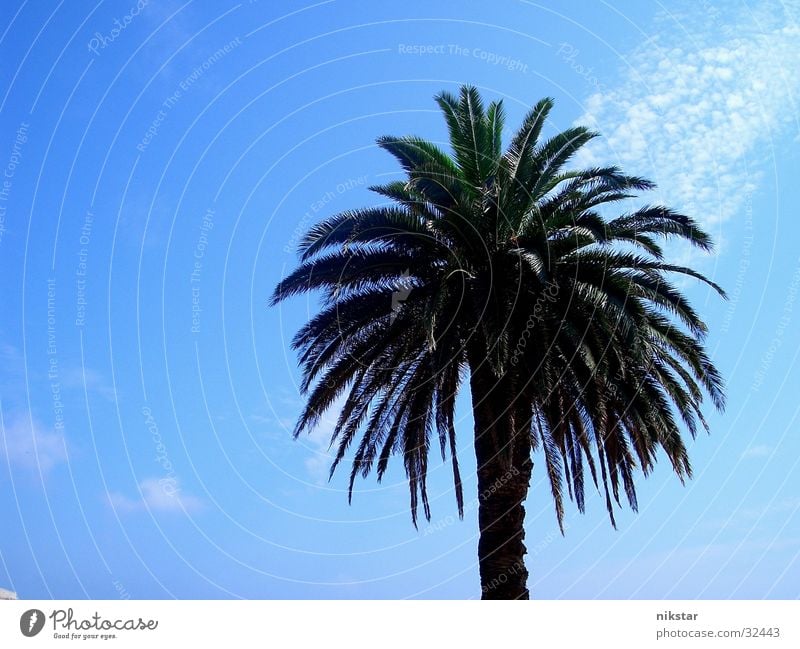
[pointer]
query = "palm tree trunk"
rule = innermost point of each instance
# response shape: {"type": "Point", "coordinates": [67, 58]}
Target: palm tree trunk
{"type": "Point", "coordinates": [503, 452]}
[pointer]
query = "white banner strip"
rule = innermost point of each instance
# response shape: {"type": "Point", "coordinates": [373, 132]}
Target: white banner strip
{"type": "Point", "coordinates": [401, 624]}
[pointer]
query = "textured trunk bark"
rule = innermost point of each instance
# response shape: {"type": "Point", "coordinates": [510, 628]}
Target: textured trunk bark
{"type": "Point", "coordinates": [503, 451]}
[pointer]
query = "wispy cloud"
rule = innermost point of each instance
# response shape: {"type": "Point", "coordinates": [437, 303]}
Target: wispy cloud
{"type": "Point", "coordinates": [745, 518]}
{"type": "Point", "coordinates": [70, 377]}
{"type": "Point", "coordinates": [761, 450]}
{"type": "Point", "coordinates": [314, 444]}
{"type": "Point", "coordinates": [160, 495]}
{"type": "Point", "coordinates": [12, 377]}
{"type": "Point", "coordinates": [701, 104]}
{"type": "Point", "coordinates": [318, 464]}
{"type": "Point", "coordinates": [74, 378]}
{"type": "Point", "coordinates": [783, 506]}
{"type": "Point", "coordinates": [28, 444]}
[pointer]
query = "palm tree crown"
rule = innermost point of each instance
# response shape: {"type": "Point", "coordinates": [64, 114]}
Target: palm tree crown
{"type": "Point", "coordinates": [501, 266]}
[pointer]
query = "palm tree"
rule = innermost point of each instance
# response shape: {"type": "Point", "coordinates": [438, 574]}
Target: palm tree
{"type": "Point", "coordinates": [499, 265]}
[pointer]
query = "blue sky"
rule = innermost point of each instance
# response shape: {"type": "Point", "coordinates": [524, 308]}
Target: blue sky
{"type": "Point", "coordinates": [156, 172]}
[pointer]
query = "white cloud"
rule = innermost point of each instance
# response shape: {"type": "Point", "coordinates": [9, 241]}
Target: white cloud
{"type": "Point", "coordinates": [701, 105]}
{"type": "Point", "coordinates": [28, 444]}
{"type": "Point", "coordinates": [78, 377]}
{"type": "Point", "coordinates": [318, 464]}
{"type": "Point", "coordinates": [761, 450]}
{"type": "Point", "coordinates": [783, 506]}
{"type": "Point", "coordinates": [156, 494]}
{"type": "Point", "coordinates": [313, 445]}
